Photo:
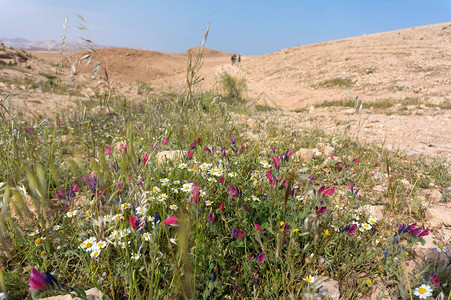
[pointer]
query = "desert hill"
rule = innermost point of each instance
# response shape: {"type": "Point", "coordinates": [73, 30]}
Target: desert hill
{"type": "Point", "coordinates": [408, 63]}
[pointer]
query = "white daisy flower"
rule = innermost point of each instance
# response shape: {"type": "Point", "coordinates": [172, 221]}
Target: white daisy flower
{"type": "Point", "coordinates": [440, 248]}
{"type": "Point", "coordinates": [95, 253]}
{"type": "Point", "coordinates": [423, 291]}
{"type": "Point", "coordinates": [72, 213]}
{"type": "Point", "coordinates": [187, 187]}
{"type": "Point", "coordinates": [146, 236]}
{"type": "Point", "coordinates": [173, 207]}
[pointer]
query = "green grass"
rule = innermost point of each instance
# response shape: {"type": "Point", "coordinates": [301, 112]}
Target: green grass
{"type": "Point", "coordinates": [206, 261]}
{"type": "Point", "coordinates": [334, 83]}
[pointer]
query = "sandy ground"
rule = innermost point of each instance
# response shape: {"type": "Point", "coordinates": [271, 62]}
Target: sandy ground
{"type": "Point", "coordinates": [393, 66]}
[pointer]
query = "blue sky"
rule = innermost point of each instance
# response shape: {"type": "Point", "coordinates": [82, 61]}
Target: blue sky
{"type": "Point", "coordinates": [245, 26]}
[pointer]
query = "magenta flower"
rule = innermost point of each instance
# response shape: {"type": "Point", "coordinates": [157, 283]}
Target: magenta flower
{"type": "Point", "coordinates": [276, 161]}
{"type": "Point", "coordinates": [37, 280]}
{"type": "Point", "coordinates": [193, 145]}
{"type": "Point", "coordinates": [145, 158]}
{"type": "Point", "coordinates": [233, 190]}
{"type": "Point", "coordinates": [165, 141]}
{"type": "Point", "coordinates": [108, 150]}
{"type": "Point", "coordinates": [171, 220]}
{"type": "Point", "coordinates": [195, 193]}
{"type": "Point", "coordinates": [189, 155]}
{"type": "Point", "coordinates": [289, 153]}
{"type": "Point", "coordinates": [242, 148]}
{"type": "Point", "coordinates": [134, 222]}
{"type": "Point", "coordinates": [207, 149]}
{"type": "Point", "coordinates": [329, 191]}
{"type": "Point", "coordinates": [221, 207]}
{"type": "Point", "coordinates": [424, 233]}
{"type": "Point", "coordinates": [154, 145]}
{"type": "Point", "coordinates": [261, 257]}
{"type": "Point", "coordinates": [434, 279]}
{"type": "Point", "coordinates": [258, 227]}
{"type": "Point", "coordinates": [123, 147]}
{"type": "Point", "coordinates": [352, 229]}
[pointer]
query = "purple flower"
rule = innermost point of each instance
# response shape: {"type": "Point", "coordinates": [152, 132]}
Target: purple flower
{"type": "Point", "coordinates": [236, 232]}
{"type": "Point", "coordinates": [210, 217]}
{"type": "Point", "coordinates": [261, 257]}
{"type": "Point", "coordinates": [322, 210]}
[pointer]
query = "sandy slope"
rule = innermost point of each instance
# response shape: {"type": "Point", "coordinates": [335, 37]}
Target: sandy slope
{"type": "Point", "coordinates": [412, 62]}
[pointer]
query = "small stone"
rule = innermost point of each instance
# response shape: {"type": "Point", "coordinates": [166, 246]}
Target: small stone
{"type": "Point", "coordinates": [379, 188]}
{"type": "Point", "coordinates": [327, 288]}
{"type": "Point", "coordinates": [435, 196]}
{"type": "Point", "coordinates": [328, 150]}
{"type": "Point", "coordinates": [305, 154]}
{"type": "Point", "coordinates": [349, 111]}
{"type": "Point", "coordinates": [380, 293]}
{"type": "Point", "coordinates": [375, 210]}
{"type": "Point", "coordinates": [170, 155]}
{"type": "Point", "coordinates": [92, 294]}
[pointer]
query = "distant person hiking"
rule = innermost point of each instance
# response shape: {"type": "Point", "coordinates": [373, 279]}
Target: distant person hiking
{"type": "Point", "coordinates": [239, 58]}
{"type": "Point", "coordinates": [233, 58]}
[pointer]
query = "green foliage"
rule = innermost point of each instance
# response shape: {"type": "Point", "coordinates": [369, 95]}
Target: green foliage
{"type": "Point", "coordinates": [45, 223]}
{"type": "Point", "coordinates": [232, 87]}
{"type": "Point", "coordinates": [340, 82]}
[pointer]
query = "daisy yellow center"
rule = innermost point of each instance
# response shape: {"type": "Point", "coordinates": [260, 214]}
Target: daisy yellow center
{"type": "Point", "coordinates": [422, 290]}
{"type": "Point", "coordinates": [440, 247]}
{"type": "Point", "coordinates": [88, 245]}
{"type": "Point", "coordinates": [38, 241]}
{"type": "Point", "coordinates": [309, 280]}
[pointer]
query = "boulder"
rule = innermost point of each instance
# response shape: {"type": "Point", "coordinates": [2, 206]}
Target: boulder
{"type": "Point", "coordinates": [440, 212]}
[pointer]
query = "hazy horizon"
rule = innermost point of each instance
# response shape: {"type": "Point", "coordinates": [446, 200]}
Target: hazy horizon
{"type": "Point", "coordinates": [252, 27]}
